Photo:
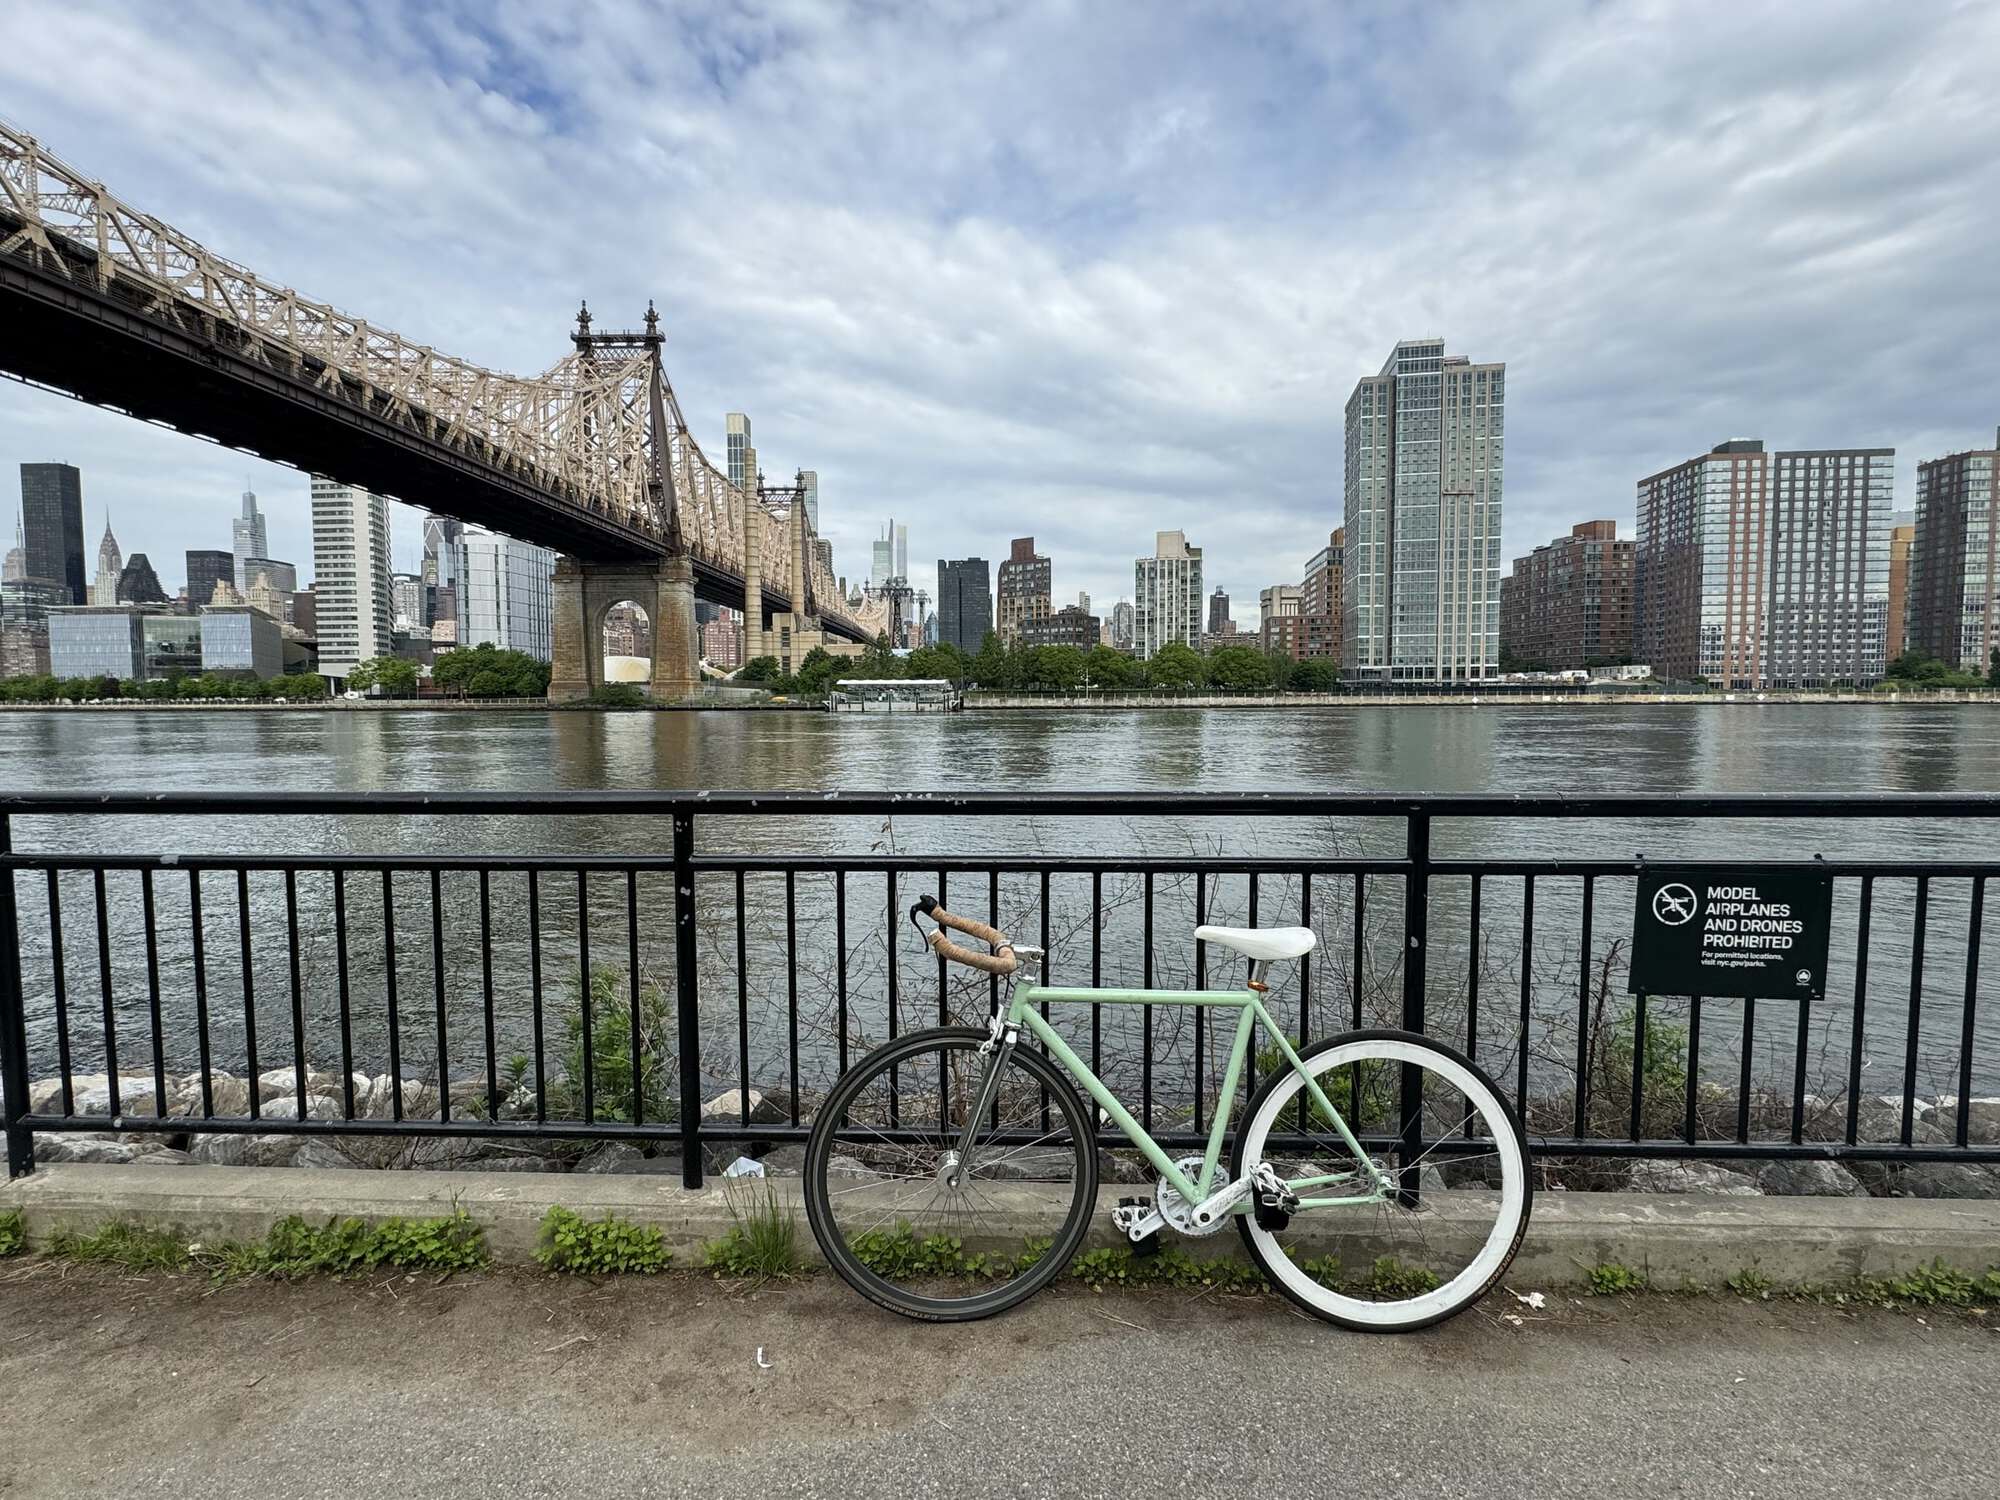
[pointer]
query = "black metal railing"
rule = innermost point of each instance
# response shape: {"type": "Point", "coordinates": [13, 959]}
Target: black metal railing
{"type": "Point", "coordinates": [560, 998]}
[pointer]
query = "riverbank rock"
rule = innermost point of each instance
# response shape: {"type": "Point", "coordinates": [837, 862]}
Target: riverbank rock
{"type": "Point", "coordinates": [91, 1146]}
{"type": "Point", "coordinates": [612, 1156]}
{"type": "Point", "coordinates": [1929, 1179]}
{"type": "Point", "coordinates": [1809, 1179]}
{"type": "Point", "coordinates": [1690, 1177]}
{"type": "Point", "coordinates": [219, 1150]}
{"type": "Point", "coordinates": [1982, 1121]}
{"type": "Point", "coordinates": [765, 1109]}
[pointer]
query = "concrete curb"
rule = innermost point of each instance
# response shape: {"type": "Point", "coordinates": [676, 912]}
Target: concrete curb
{"type": "Point", "coordinates": [1673, 1239]}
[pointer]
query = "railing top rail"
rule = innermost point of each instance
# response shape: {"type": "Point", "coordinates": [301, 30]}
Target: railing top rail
{"type": "Point", "coordinates": [1035, 803]}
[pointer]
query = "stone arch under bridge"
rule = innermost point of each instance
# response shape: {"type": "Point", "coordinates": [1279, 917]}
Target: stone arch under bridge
{"type": "Point", "coordinates": [584, 593]}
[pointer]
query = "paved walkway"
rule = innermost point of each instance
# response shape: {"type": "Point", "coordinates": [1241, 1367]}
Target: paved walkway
{"type": "Point", "coordinates": [522, 1386]}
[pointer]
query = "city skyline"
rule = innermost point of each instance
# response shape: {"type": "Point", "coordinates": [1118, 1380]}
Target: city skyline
{"type": "Point", "coordinates": [913, 339]}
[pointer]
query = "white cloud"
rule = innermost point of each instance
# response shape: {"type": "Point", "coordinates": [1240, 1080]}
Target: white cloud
{"type": "Point", "coordinates": [1080, 272]}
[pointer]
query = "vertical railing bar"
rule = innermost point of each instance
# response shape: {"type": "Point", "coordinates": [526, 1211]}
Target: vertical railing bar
{"type": "Point", "coordinates": [298, 991]}
{"type": "Point", "coordinates": [152, 992]}
{"type": "Point", "coordinates": [1360, 956]}
{"type": "Point", "coordinates": [249, 976]}
{"type": "Point", "coordinates": [437, 993]}
{"type": "Point", "coordinates": [1583, 1012]}
{"type": "Point", "coordinates": [1743, 1073]}
{"type": "Point", "coordinates": [1200, 983]}
{"type": "Point", "coordinates": [389, 976]}
{"type": "Point", "coordinates": [486, 993]}
{"type": "Point", "coordinates": [1416, 975]}
{"type": "Point", "coordinates": [1305, 979]}
{"type": "Point", "coordinates": [638, 1053]}
{"type": "Point", "coordinates": [895, 1081]}
{"type": "Point", "coordinates": [13, 1022]}
{"type": "Point", "coordinates": [743, 1002]}
{"type": "Point", "coordinates": [1527, 994]}
{"type": "Point", "coordinates": [1097, 971]}
{"type": "Point", "coordinates": [687, 1000]}
{"type": "Point", "coordinates": [1638, 1063]}
{"type": "Point", "coordinates": [1804, 1040]}
{"type": "Point", "coordinates": [200, 954]}
{"type": "Point", "coordinates": [992, 920]}
{"type": "Point", "coordinates": [104, 984]}
{"type": "Point", "coordinates": [341, 984]}
{"type": "Point", "coordinates": [1693, 1065]}
{"type": "Point", "coordinates": [58, 967]}
{"type": "Point", "coordinates": [840, 961]}
{"type": "Point", "coordinates": [535, 994]}
{"type": "Point", "coordinates": [943, 974]}
{"type": "Point", "coordinates": [584, 1007]}
{"type": "Point", "coordinates": [1250, 1053]}
{"type": "Point", "coordinates": [1965, 1039]}
{"type": "Point", "coordinates": [1472, 976]}
{"type": "Point", "coordinates": [792, 984]}
{"type": "Point", "coordinates": [1045, 980]}
{"type": "Point", "coordinates": [1858, 1041]}
{"type": "Point", "coordinates": [1146, 1016]}
{"type": "Point", "coordinates": [1917, 937]}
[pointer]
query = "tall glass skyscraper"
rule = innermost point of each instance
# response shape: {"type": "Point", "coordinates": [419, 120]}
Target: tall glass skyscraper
{"type": "Point", "coordinates": [247, 539]}
{"type": "Point", "coordinates": [1424, 444]}
{"type": "Point", "coordinates": [505, 594]}
{"type": "Point", "coordinates": [52, 527]}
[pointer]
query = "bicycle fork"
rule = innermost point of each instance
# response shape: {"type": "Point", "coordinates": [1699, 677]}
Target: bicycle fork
{"type": "Point", "coordinates": [1001, 1040]}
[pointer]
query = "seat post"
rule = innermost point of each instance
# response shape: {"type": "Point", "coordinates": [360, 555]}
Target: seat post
{"type": "Point", "coordinates": [1257, 969]}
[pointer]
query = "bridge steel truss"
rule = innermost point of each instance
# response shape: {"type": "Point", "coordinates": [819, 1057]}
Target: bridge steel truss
{"type": "Point", "coordinates": [593, 457]}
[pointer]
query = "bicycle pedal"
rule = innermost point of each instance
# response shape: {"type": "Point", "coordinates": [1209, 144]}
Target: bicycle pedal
{"type": "Point", "coordinates": [1149, 1246]}
{"type": "Point", "coordinates": [1272, 1220]}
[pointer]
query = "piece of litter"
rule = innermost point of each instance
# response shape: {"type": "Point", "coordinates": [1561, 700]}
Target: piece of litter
{"type": "Point", "coordinates": [1534, 1299]}
{"type": "Point", "coordinates": [1739, 1380]}
{"type": "Point", "coordinates": [1515, 1318]}
{"type": "Point", "coordinates": [763, 1363]}
{"type": "Point", "coordinates": [743, 1166]}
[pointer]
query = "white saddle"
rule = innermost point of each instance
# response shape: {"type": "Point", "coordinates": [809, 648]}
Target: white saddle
{"type": "Point", "coordinates": [1265, 944]}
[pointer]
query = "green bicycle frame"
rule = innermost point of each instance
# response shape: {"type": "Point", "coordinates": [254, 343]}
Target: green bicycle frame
{"type": "Point", "coordinates": [1022, 1012]}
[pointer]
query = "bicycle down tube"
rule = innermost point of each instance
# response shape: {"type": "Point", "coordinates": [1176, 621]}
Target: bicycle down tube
{"type": "Point", "coordinates": [1021, 1012]}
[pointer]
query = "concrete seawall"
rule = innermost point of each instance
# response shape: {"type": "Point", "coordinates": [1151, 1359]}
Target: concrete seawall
{"type": "Point", "coordinates": [1674, 1239]}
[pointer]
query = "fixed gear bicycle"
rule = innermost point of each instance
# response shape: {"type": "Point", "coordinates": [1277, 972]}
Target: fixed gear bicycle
{"type": "Point", "coordinates": [1378, 1178]}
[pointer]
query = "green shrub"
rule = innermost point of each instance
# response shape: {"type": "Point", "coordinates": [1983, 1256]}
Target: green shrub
{"type": "Point", "coordinates": [618, 695]}
{"type": "Point", "coordinates": [1613, 1279]}
{"type": "Point", "coordinates": [135, 1247]}
{"type": "Point", "coordinates": [1938, 1284]}
{"type": "Point", "coordinates": [1749, 1282]}
{"type": "Point", "coordinates": [584, 1247]}
{"type": "Point", "coordinates": [13, 1233]}
{"type": "Point", "coordinates": [1168, 1266]}
{"type": "Point", "coordinates": [295, 1248]}
{"type": "Point", "coordinates": [763, 1239]}
{"type": "Point", "coordinates": [898, 1255]}
{"type": "Point", "coordinates": [611, 1058]}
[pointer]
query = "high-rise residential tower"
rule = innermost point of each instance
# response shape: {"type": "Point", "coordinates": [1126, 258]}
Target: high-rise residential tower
{"type": "Point", "coordinates": [1757, 569]}
{"type": "Point", "coordinates": [353, 606]}
{"type": "Point", "coordinates": [505, 593]}
{"type": "Point", "coordinates": [1955, 560]}
{"type": "Point", "coordinates": [1424, 444]}
{"type": "Point", "coordinates": [809, 483]}
{"type": "Point", "coordinates": [1569, 603]}
{"type": "Point", "coordinates": [1830, 531]}
{"type": "Point", "coordinates": [1025, 589]}
{"type": "Point", "coordinates": [1219, 622]}
{"type": "Point", "coordinates": [965, 603]}
{"type": "Point", "coordinates": [247, 539]}
{"type": "Point", "coordinates": [52, 526]}
{"type": "Point", "coordinates": [1902, 537]}
{"type": "Point", "coordinates": [1167, 595]}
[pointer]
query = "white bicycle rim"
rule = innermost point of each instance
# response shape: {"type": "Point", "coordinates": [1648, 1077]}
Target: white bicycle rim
{"type": "Point", "coordinates": [1478, 1271]}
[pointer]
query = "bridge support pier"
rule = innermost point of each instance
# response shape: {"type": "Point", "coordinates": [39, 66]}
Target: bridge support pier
{"type": "Point", "coordinates": [585, 592]}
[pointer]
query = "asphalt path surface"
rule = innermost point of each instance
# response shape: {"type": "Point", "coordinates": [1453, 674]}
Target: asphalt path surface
{"type": "Point", "coordinates": [511, 1384]}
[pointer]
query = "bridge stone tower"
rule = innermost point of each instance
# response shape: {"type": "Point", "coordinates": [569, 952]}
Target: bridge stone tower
{"type": "Point", "coordinates": [585, 591]}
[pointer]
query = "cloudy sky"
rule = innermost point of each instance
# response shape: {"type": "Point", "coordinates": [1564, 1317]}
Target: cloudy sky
{"type": "Point", "coordinates": [1077, 270]}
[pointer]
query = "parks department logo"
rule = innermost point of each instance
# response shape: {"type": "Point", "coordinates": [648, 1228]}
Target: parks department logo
{"type": "Point", "coordinates": [1675, 905]}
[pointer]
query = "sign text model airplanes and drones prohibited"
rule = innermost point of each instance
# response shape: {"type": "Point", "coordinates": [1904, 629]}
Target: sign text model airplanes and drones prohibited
{"type": "Point", "coordinates": [1748, 936]}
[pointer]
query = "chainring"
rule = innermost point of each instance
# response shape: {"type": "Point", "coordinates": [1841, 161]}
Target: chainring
{"type": "Point", "coordinates": [1175, 1209]}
